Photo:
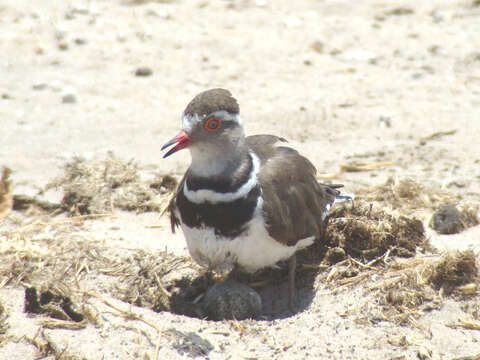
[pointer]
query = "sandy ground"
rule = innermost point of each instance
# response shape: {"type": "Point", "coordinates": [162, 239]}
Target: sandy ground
{"type": "Point", "coordinates": [344, 81]}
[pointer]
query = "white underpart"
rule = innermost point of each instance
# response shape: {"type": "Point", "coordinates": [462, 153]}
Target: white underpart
{"type": "Point", "coordinates": [213, 197]}
{"type": "Point", "coordinates": [252, 250]}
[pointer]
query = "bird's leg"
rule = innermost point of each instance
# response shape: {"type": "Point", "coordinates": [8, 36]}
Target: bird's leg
{"type": "Point", "coordinates": [292, 264]}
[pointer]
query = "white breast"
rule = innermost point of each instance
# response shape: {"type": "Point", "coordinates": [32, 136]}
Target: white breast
{"type": "Point", "coordinates": [254, 249]}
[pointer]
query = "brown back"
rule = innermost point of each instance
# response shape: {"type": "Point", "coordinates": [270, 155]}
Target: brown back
{"type": "Point", "coordinates": [294, 202]}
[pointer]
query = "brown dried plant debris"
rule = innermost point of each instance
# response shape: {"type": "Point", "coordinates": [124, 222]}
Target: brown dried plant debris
{"type": "Point", "coordinates": [53, 301]}
{"type": "Point", "coordinates": [162, 282]}
{"type": "Point", "coordinates": [408, 289]}
{"type": "Point", "coordinates": [453, 269]}
{"type": "Point", "coordinates": [3, 322]}
{"type": "Point", "coordinates": [44, 249]}
{"type": "Point", "coordinates": [6, 198]}
{"type": "Point", "coordinates": [96, 187]}
{"type": "Point", "coordinates": [364, 232]}
{"type": "Point", "coordinates": [406, 194]}
{"type": "Point", "coordinates": [47, 347]}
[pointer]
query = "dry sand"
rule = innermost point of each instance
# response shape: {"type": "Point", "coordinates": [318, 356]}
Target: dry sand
{"type": "Point", "coordinates": [345, 82]}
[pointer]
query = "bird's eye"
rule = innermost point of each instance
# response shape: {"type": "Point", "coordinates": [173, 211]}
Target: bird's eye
{"type": "Point", "coordinates": [212, 124]}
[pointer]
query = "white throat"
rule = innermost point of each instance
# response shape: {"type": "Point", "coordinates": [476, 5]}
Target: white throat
{"type": "Point", "coordinates": [206, 195]}
{"type": "Point", "coordinates": [208, 161]}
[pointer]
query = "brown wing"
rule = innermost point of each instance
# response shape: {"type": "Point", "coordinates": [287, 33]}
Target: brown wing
{"type": "Point", "coordinates": [294, 202]}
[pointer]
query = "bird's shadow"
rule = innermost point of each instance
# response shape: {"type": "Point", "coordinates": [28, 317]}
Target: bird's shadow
{"type": "Point", "coordinates": [272, 284]}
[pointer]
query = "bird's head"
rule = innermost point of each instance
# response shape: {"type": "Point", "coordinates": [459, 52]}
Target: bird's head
{"type": "Point", "coordinates": [211, 126]}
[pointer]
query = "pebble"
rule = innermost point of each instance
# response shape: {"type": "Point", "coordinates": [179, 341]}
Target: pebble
{"type": "Point", "coordinates": [385, 121]}
{"type": "Point", "coordinates": [69, 98]}
{"type": "Point", "coordinates": [318, 46]}
{"type": "Point", "coordinates": [80, 41]}
{"type": "Point", "coordinates": [39, 86]}
{"type": "Point", "coordinates": [143, 71]}
{"type": "Point", "coordinates": [231, 300]}
{"type": "Point", "coordinates": [399, 11]}
{"type": "Point", "coordinates": [63, 45]}
{"type": "Point", "coordinates": [447, 220]}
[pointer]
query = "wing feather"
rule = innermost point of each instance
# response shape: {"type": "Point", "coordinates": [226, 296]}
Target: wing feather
{"type": "Point", "coordinates": [294, 202]}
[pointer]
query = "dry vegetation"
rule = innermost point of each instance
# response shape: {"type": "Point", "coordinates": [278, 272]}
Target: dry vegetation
{"type": "Point", "coordinates": [100, 187]}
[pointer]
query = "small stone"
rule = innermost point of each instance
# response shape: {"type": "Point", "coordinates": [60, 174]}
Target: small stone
{"type": "Point", "coordinates": [63, 45]}
{"type": "Point", "coordinates": [39, 86]}
{"type": "Point", "coordinates": [399, 11]}
{"type": "Point", "coordinates": [231, 300]}
{"type": "Point", "coordinates": [385, 121]}
{"type": "Point", "coordinates": [434, 49]}
{"type": "Point", "coordinates": [317, 46]}
{"type": "Point", "coordinates": [143, 71]}
{"type": "Point", "coordinates": [335, 52]}
{"type": "Point", "coordinates": [69, 98]}
{"type": "Point", "coordinates": [80, 41]}
{"type": "Point", "coordinates": [447, 220]}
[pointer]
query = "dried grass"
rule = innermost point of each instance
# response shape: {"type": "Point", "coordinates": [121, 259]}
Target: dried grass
{"type": "Point", "coordinates": [410, 288]}
{"type": "Point", "coordinates": [364, 232]}
{"type": "Point", "coordinates": [162, 282]}
{"type": "Point", "coordinates": [405, 194]}
{"type": "Point", "coordinates": [6, 198]}
{"type": "Point", "coordinates": [94, 187]}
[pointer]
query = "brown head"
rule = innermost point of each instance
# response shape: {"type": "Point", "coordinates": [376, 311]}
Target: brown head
{"type": "Point", "coordinates": [211, 130]}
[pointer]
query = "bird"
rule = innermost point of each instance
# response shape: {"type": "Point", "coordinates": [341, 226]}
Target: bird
{"type": "Point", "coordinates": [245, 202]}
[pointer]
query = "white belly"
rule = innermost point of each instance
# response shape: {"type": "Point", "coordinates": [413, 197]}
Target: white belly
{"type": "Point", "coordinates": [254, 249]}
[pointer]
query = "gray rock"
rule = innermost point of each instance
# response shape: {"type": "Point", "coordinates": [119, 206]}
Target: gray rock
{"type": "Point", "coordinates": [447, 220]}
{"type": "Point", "coordinates": [231, 300]}
{"type": "Point", "coordinates": [80, 41]}
{"type": "Point", "coordinates": [63, 45]}
{"type": "Point", "coordinates": [39, 86]}
{"type": "Point", "coordinates": [69, 98]}
{"type": "Point", "coordinates": [143, 71]}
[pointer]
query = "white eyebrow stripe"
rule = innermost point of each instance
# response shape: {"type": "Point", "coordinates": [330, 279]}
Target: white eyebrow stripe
{"type": "Point", "coordinates": [206, 195]}
{"type": "Point", "coordinates": [188, 122]}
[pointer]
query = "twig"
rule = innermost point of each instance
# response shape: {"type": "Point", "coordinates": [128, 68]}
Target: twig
{"type": "Point", "coordinates": [365, 266]}
{"type": "Point", "coordinates": [436, 135]}
{"type": "Point", "coordinates": [50, 323]}
{"type": "Point", "coordinates": [162, 289]}
{"type": "Point", "coordinates": [365, 166]}
{"type": "Point", "coordinates": [465, 324]}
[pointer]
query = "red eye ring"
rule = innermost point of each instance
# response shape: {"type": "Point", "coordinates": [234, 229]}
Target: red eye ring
{"type": "Point", "coordinates": [212, 124]}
